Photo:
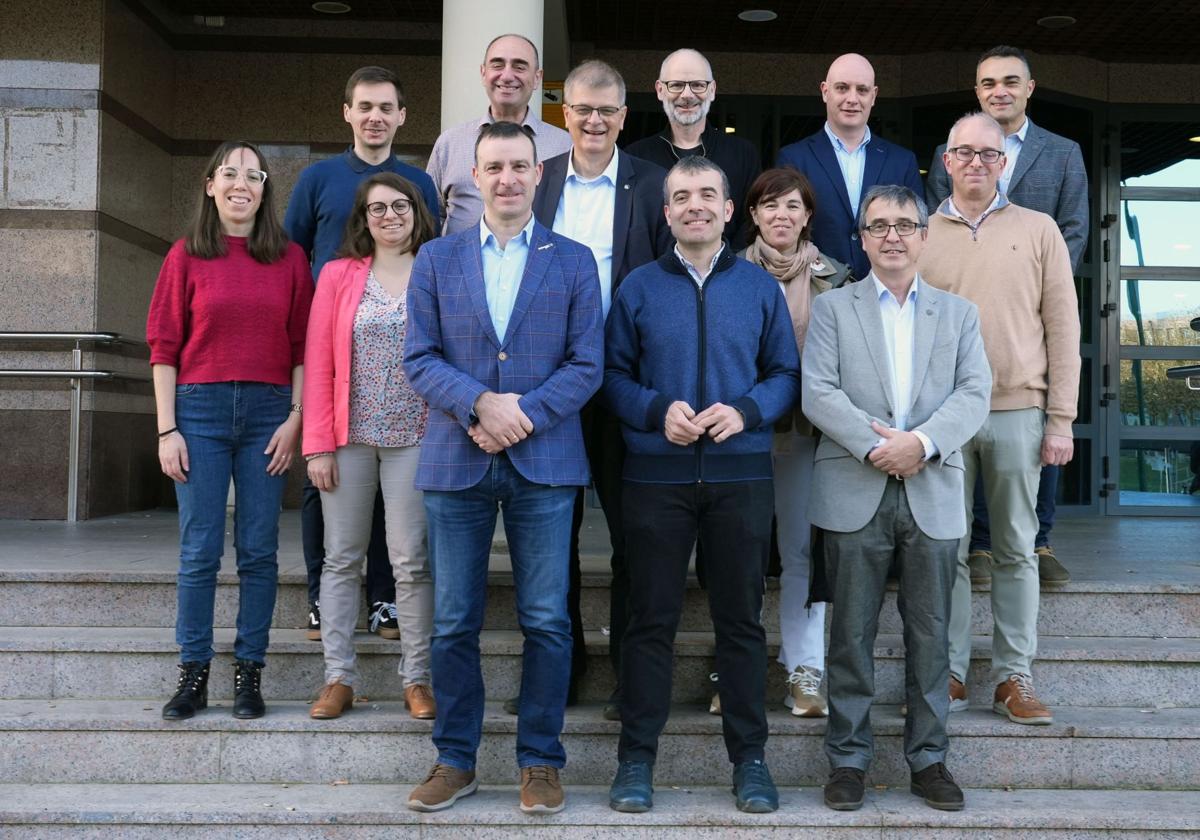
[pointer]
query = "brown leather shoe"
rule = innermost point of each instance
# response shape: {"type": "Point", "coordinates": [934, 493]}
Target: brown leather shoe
{"type": "Point", "coordinates": [418, 699]}
{"type": "Point", "coordinates": [958, 696]}
{"type": "Point", "coordinates": [979, 562]}
{"type": "Point", "coordinates": [1050, 570]}
{"type": "Point", "coordinates": [444, 786]}
{"type": "Point", "coordinates": [1015, 700]}
{"type": "Point", "coordinates": [335, 699]}
{"type": "Point", "coordinates": [541, 792]}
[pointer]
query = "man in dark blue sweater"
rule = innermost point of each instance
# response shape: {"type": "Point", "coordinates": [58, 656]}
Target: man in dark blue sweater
{"type": "Point", "coordinates": [316, 220]}
{"type": "Point", "coordinates": [700, 360]}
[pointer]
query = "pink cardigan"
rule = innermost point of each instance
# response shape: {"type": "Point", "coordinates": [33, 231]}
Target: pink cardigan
{"type": "Point", "coordinates": [328, 351]}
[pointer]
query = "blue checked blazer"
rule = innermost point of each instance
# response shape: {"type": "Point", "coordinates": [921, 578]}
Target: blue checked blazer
{"type": "Point", "coordinates": [552, 354]}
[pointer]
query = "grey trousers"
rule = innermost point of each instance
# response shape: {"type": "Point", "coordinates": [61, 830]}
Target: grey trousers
{"type": "Point", "coordinates": [348, 509]}
{"type": "Point", "coordinates": [857, 565]}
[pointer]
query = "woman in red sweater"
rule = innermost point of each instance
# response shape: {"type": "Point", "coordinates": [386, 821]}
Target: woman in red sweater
{"type": "Point", "coordinates": [226, 331]}
{"type": "Point", "coordinates": [364, 429]}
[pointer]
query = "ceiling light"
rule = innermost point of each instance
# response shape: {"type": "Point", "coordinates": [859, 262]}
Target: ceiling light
{"type": "Point", "coordinates": [757, 15]}
{"type": "Point", "coordinates": [729, 129]}
{"type": "Point", "coordinates": [1195, 139]}
{"type": "Point", "coordinates": [1056, 21]}
{"type": "Point", "coordinates": [331, 8]}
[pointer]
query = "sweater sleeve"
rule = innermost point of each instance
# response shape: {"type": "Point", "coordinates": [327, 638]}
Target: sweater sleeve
{"type": "Point", "coordinates": [634, 404]}
{"type": "Point", "coordinates": [778, 386]}
{"type": "Point", "coordinates": [300, 220]}
{"type": "Point", "coordinates": [167, 320]}
{"type": "Point", "coordinates": [1060, 320]}
{"type": "Point", "coordinates": [302, 294]}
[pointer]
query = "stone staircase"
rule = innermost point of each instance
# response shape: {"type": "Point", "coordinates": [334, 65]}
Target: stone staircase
{"type": "Point", "coordinates": [87, 659]}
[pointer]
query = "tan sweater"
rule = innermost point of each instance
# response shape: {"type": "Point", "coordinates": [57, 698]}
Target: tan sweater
{"type": "Point", "coordinates": [1016, 269]}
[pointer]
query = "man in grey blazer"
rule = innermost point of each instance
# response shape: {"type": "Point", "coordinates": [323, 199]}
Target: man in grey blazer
{"type": "Point", "coordinates": [895, 377]}
{"type": "Point", "coordinates": [1044, 172]}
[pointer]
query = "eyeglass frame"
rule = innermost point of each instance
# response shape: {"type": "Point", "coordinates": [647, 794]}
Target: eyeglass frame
{"type": "Point", "coordinates": [616, 109]}
{"type": "Point", "coordinates": [980, 152]}
{"type": "Point", "coordinates": [244, 173]}
{"type": "Point", "coordinates": [687, 84]}
{"type": "Point", "coordinates": [889, 226]}
{"type": "Point", "coordinates": [407, 202]}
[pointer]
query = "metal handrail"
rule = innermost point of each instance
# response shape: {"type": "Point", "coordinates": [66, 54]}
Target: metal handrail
{"type": "Point", "coordinates": [76, 374]}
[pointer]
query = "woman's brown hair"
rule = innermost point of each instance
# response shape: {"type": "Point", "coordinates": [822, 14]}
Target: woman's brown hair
{"type": "Point", "coordinates": [357, 241]}
{"type": "Point", "coordinates": [775, 183]}
{"type": "Point", "coordinates": [267, 241]}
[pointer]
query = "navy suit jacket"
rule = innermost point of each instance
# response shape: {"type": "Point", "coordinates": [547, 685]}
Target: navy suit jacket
{"type": "Point", "coordinates": [833, 223]}
{"type": "Point", "coordinates": [552, 354]}
{"type": "Point", "coordinates": [640, 230]}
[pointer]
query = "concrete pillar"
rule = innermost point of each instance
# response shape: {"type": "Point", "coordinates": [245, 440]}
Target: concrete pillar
{"type": "Point", "coordinates": [467, 28]}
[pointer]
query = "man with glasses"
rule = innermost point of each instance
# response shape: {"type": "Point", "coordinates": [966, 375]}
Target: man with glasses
{"type": "Point", "coordinates": [686, 88]}
{"type": "Point", "coordinates": [844, 159]}
{"type": "Point", "coordinates": [895, 377]}
{"type": "Point", "coordinates": [611, 202]}
{"type": "Point", "coordinates": [1043, 172]}
{"type": "Point", "coordinates": [510, 74]}
{"type": "Point", "coordinates": [1012, 263]}
{"type": "Point", "coordinates": [316, 220]}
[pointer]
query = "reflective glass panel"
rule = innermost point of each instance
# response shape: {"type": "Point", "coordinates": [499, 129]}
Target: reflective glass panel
{"type": "Point", "coordinates": [1157, 313]}
{"type": "Point", "coordinates": [1160, 233]}
{"type": "Point", "coordinates": [1160, 473]}
{"type": "Point", "coordinates": [1148, 398]}
{"type": "Point", "coordinates": [1160, 154]}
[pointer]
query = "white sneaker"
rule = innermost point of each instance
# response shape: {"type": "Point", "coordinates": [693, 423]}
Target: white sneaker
{"type": "Point", "coordinates": [714, 707]}
{"type": "Point", "coordinates": [804, 693]}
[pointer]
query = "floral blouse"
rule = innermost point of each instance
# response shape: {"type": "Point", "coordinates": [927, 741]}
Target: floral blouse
{"type": "Point", "coordinates": [384, 409]}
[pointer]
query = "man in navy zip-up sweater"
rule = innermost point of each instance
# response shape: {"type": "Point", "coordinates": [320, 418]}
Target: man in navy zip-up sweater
{"type": "Point", "coordinates": [700, 360]}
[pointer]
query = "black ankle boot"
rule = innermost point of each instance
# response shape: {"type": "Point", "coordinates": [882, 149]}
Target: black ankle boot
{"type": "Point", "coordinates": [191, 695]}
{"type": "Point", "coordinates": [247, 690]}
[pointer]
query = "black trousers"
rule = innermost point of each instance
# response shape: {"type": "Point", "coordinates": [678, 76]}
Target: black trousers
{"type": "Point", "coordinates": [662, 522]}
{"type": "Point", "coordinates": [381, 585]}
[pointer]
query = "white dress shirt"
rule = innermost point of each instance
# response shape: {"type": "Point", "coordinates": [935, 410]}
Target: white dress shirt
{"type": "Point", "coordinates": [585, 213]}
{"type": "Point", "coordinates": [853, 164]}
{"type": "Point", "coordinates": [898, 322]}
{"type": "Point", "coordinates": [1012, 150]}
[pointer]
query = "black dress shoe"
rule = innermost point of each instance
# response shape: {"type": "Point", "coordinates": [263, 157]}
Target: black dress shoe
{"type": "Point", "coordinates": [247, 690]}
{"type": "Point", "coordinates": [844, 791]}
{"type": "Point", "coordinates": [937, 787]}
{"type": "Point", "coordinates": [191, 695]}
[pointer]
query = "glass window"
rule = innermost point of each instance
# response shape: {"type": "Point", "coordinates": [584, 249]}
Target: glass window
{"type": "Point", "coordinates": [1160, 473]}
{"type": "Point", "coordinates": [1157, 313]}
{"type": "Point", "coordinates": [1148, 398]}
{"type": "Point", "coordinates": [1160, 233]}
{"type": "Point", "coordinates": [1160, 154]}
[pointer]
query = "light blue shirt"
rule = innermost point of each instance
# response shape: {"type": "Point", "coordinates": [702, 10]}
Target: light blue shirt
{"type": "Point", "coordinates": [502, 272]}
{"type": "Point", "coordinates": [853, 164]}
{"type": "Point", "coordinates": [1012, 150]}
{"type": "Point", "coordinates": [898, 337]}
{"type": "Point", "coordinates": [694, 272]}
{"type": "Point", "coordinates": [585, 214]}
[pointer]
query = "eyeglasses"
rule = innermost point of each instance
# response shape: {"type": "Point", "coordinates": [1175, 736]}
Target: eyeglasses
{"type": "Point", "coordinates": [585, 111]}
{"type": "Point", "coordinates": [966, 154]}
{"type": "Point", "coordinates": [378, 209]}
{"type": "Point", "coordinates": [904, 227]}
{"type": "Point", "coordinates": [696, 86]}
{"type": "Point", "coordinates": [230, 174]}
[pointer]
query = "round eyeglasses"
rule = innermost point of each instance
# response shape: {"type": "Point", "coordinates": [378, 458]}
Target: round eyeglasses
{"type": "Point", "coordinates": [879, 230]}
{"type": "Point", "coordinates": [378, 209]}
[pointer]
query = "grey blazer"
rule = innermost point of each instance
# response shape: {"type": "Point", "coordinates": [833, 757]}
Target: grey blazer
{"type": "Point", "coordinates": [1049, 178]}
{"type": "Point", "coordinates": [846, 383]}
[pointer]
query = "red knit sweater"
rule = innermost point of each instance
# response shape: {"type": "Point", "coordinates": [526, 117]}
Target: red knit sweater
{"type": "Point", "coordinates": [230, 318]}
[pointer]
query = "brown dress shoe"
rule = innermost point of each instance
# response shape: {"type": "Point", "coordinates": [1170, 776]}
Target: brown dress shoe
{"type": "Point", "coordinates": [335, 699]}
{"type": "Point", "coordinates": [418, 699]}
{"type": "Point", "coordinates": [979, 562]}
{"type": "Point", "coordinates": [958, 696]}
{"type": "Point", "coordinates": [1050, 570]}
{"type": "Point", "coordinates": [444, 786]}
{"type": "Point", "coordinates": [1015, 700]}
{"type": "Point", "coordinates": [541, 792]}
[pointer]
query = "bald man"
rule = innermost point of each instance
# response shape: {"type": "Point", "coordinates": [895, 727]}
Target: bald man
{"type": "Point", "coordinates": [686, 88]}
{"type": "Point", "coordinates": [844, 160]}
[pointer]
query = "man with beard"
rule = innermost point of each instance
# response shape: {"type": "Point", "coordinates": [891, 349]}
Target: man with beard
{"type": "Point", "coordinates": [686, 88]}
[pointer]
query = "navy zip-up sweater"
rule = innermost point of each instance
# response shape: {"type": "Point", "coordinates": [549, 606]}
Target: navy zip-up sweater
{"type": "Point", "coordinates": [731, 342]}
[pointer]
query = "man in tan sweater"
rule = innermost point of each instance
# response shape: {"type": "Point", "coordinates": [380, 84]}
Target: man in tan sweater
{"type": "Point", "coordinates": [1013, 264]}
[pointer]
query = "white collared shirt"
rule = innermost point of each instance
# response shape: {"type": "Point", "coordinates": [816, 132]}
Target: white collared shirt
{"type": "Point", "coordinates": [585, 213]}
{"type": "Point", "coordinates": [997, 201]}
{"type": "Point", "coordinates": [694, 272]}
{"type": "Point", "coordinates": [899, 320]}
{"type": "Point", "coordinates": [1012, 150]}
{"type": "Point", "coordinates": [853, 164]}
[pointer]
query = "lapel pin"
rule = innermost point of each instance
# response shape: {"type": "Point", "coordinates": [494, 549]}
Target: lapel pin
{"type": "Point", "coordinates": [626, 186]}
{"type": "Point", "coordinates": [544, 247]}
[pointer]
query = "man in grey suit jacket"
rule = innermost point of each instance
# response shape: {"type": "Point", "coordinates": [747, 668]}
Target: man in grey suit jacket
{"type": "Point", "coordinates": [1044, 172]}
{"type": "Point", "coordinates": [895, 377]}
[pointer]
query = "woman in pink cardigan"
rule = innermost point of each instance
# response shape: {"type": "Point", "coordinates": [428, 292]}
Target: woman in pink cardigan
{"type": "Point", "coordinates": [363, 429]}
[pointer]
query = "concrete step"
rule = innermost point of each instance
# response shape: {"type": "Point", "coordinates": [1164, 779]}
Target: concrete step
{"type": "Point", "coordinates": [55, 741]}
{"type": "Point", "coordinates": [123, 662]}
{"type": "Point", "coordinates": [36, 597]}
{"type": "Point", "coordinates": [359, 812]}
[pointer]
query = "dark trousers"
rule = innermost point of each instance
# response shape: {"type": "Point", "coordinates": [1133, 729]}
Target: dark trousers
{"type": "Point", "coordinates": [662, 522]}
{"type": "Point", "coordinates": [381, 585]}
{"type": "Point", "coordinates": [981, 536]}
{"type": "Point", "coordinates": [857, 565]}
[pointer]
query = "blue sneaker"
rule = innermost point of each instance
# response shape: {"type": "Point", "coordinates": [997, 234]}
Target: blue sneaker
{"type": "Point", "coordinates": [631, 791]}
{"type": "Point", "coordinates": [755, 791]}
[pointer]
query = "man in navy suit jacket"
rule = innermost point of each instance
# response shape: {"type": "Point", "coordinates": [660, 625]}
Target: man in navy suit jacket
{"type": "Point", "coordinates": [843, 160]}
{"type": "Point", "coordinates": [505, 343]}
{"type": "Point", "coordinates": [612, 202]}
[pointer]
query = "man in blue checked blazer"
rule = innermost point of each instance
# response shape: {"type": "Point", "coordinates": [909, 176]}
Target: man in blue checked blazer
{"type": "Point", "coordinates": [505, 343]}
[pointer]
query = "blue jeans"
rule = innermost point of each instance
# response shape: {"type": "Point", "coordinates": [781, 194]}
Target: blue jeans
{"type": "Point", "coordinates": [226, 426]}
{"type": "Point", "coordinates": [537, 523]}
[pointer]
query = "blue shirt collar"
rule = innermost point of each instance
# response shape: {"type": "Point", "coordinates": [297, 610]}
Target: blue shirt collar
{"type": "Point", "coordinates": [610, 171]}
{"type": "Point", "coordinates": [524, 237]}
{"type": "Point", "coordinates": [839, 145]}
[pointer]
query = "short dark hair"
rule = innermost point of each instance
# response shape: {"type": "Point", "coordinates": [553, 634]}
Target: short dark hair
{"type": "Point", "coordinates": [357, 241]}
{"type": "Point", "coordinates": [692, 165]}
{"type": "Point", "coordinates": [772, 184]}
{"type": "Point", "coordinates": [1005, 51]}
{"type": "Point", "coordinates": [267, 242]}
{"type": "Point", "coordinates": [897, 194]}
{"type": "Point", "coordinates": [372, 75]}
{"type": "Point", "coordinates": [537, 61]}
{"type": "Point", "coordinates": [504, 130]}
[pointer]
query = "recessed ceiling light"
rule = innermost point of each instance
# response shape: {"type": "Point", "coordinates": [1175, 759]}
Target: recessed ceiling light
{"type": "Point", "coordinates": [1195, 139]}
{"type": "Point", "coordinates": [327, 7]}
{"type": "Point", "coordinates": [1056, 21]}
{"type": "Point", "coordinates": [757, 15]}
